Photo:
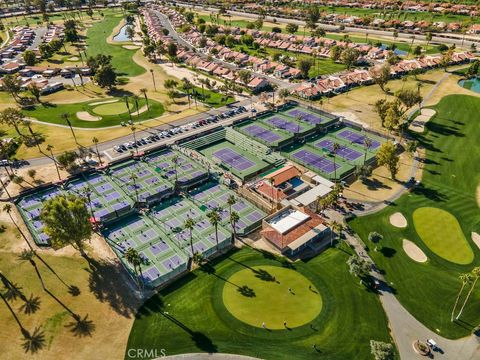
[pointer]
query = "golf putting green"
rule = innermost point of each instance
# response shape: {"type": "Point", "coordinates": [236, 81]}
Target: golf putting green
{"type": "Point", "coordinates": [112, 108]}
{"type": "Point", "coordinates": [261, 294]}
{"type": "Point", "coordinates": [442, 233]}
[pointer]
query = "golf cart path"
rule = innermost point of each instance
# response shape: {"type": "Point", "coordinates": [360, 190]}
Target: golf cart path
{"type": "Point", "coordinates": [406, 328]}
{"type": "Point", "coordinates": [206, 356]}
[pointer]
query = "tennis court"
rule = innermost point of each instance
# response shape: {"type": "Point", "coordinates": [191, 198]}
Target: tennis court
{"type": "Point", "coordinates": [309, 116]}
{"type": "Point", "coordinates": [141, 181]}
{"type": "Point", "coordinates": [215, 196]}
{"type": "Point", "coordinates": [278, 121]}
{"type": "Point", "coordinates": [320, 162]}
{"type": "Point", "coordinates": [239, 162]}
{"type": "Point", "coordinates": [176, 167]}
{"type": "Point", "coordinates": [264, 134]}
{"type": "Point", "coordinates": [354, 136]}
{"type": "Point", "coordinates": [171, 215]}
{"type": "Point", "coordinates": [107, 200]}
{"type": "Point", "coordinates": [30, 207]}
{"type": "Point", "coordinates": [344, 151]}
{"type": "Point", "coordinates": [161, 259]}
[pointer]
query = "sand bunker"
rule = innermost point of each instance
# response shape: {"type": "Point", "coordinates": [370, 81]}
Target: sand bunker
{"type": "Point", "coordinates": [418, 125]}
{"type": "Point", "coordinates": [73, 58]}
{"type": "Point", "coordinates": [398, 220]}
{"type": "Point", "coordinates": [131, 47]}
{"type": "Point", "coordinates": [84, 115]}
{"type": "Point", "coordinates": [476, 238]}
{"type": "Point", "coordinates": [413, 251]}
{"type": "Point", "coordinates": [103, 102]}
{"type": "Point", "coordinates": [478, 195]}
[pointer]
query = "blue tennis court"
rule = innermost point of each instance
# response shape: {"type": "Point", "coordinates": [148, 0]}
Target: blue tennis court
{"type": "Point", "coordinates": [357, 138]}
{"type": "Point", "coordinates": [262, 133]}
{"type": "Point", "coordinates": [316, 161]}
{"type": "Point", "coordinates": [284, 124]}
{"type": "Point", "coordinates": [344, 151]}
{"type": "Point", "coordinates": [233, 159]}
{"type": "Point", "coordinates": [308, 117]}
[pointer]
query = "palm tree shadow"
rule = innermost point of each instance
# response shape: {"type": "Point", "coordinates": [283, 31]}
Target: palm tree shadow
{"type": "Point", "coordinates": [246, 291]}
{"type": "Point", "coordinates": [108, 282]}
{"type": "Point", "coordinates": [33, 342]}
{"type": "Point", "coordinates": [81, 327]}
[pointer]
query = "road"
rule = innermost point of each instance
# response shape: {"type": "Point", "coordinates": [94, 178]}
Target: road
{"type": "Point", "coordinates": [106, 147]}
{"type": "Point", "coordinates": [179, 39]}
{"type": "Point", "coordinates": [375, 32]}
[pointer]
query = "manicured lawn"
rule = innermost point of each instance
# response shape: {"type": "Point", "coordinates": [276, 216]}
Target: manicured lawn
{"type": "Point", "coordinates": [450, 178]}
{"type": "Point", "coordinates": [52, 113]}
{"type": "Point", "coordinates": [97, 44]}
{"type": "Point", "coordinates": [111, 109]}
{"type": "Point", "coordinates": [190, 316]}
{"type": "Point", "coordinates": [267, 288]}
{"type": "Point", "coordinates": [212, 98]}
{"type": "Point", "coordinates": [442, 233]}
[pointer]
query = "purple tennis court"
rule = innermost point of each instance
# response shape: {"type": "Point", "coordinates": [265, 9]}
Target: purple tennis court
{"type": "Point", "coordinates": [344, 152]}
{"type": "Point", "coordinates": [357, 138]}
{"type": "Point", "coordinates": [284, 124]}
{"type": "Point", "coordinates": [261, 133]}
{"type": "Point", "coordinates": [316, 161]}
{"type": "Point", "coordinates": [233, 159]}
{"type": "Point", "coordinates": [312, 119]}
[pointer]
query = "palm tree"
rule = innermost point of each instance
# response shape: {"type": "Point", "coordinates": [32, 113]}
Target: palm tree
{"type": "Point", "coordinates": [66, 117]}
{"type": "Point", "coordinates": [214, 218]}
{"type": "Point", "coordinates": [127, 104]}
{"type": "Point", "coordinates": [133, 128]}
{"type": "Point", "coordinates": [337, 228]}
{"type": "Point", "coordinates": [367, 144]}
{"type": "Point", "coordinates": [28, 124]}
{"type": "Point", "coordinates": [4, 186]}
{"type": "Point", "coordinates": [143, 91]}
{"type": "Point", "coordinates": [135, 99]}
{"type": "Point", "coordinates": [153, 79]}
{"type": "Point", "coordinates": [475, 275]}
{"type": "Point", "coordinates": [30, 305]}
{"type": "Point", "coordinates": [175, 164]}
{"type": "Point", "coordinates": [50, 149]}
{"type": "Point", "coordinates": [190, 224]}
{"type": "Point", "coordinates": [95, 141]}
{"type": "Point", "coordinates": [232, 200]}
{"type": "Point", "coordinates": [465, 279]}
{"type": "Point", "coordinates": [336, 147]}
{"type": "Point", "coordinates": [133, 258]}
{"type": "Point", "coordinates": [234, 217]}
{"type": "Point", "coordinates": [134, 178]}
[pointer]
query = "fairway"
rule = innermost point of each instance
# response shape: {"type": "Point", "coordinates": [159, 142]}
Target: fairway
{"type": "Point", "coordinates": [442, 233]}
{"type": "Point", "coordinates": [267, 288]}
{"type": "Point", "coordinates": [111, 109]}
{"type": "Point", "coordinates": [440, 211]}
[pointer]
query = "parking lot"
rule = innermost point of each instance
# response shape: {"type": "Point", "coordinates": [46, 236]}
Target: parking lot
{"type": "Point", "coordinates": [169, 136]}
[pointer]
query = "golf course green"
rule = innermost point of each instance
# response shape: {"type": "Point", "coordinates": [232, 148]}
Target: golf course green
{"type": "Point", "coordinates": [193, 315]}
{"type": "Point", "coordinates": [112, 108]}
{"type": "Point", "coordinates": [283, 295]}
{"type": "Point", "coordinates": [442, 233]}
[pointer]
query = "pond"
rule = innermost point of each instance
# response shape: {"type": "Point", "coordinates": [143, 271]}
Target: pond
{"type": "Point", "coordinates": [471, 84]}
{"type": "Point", "coordinates": [122, 34]}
